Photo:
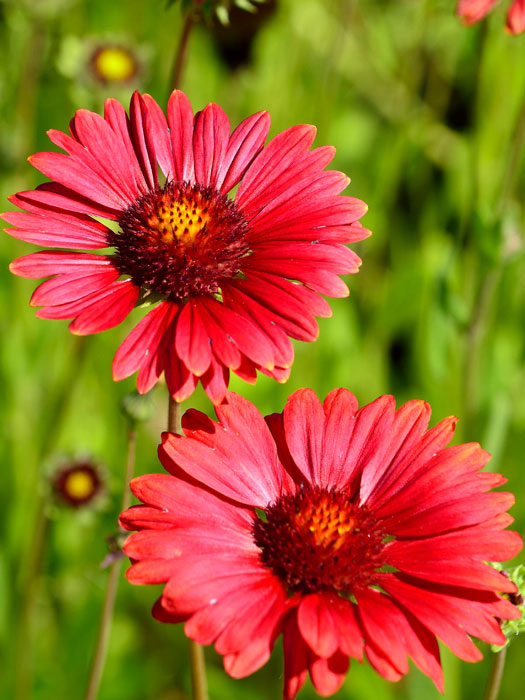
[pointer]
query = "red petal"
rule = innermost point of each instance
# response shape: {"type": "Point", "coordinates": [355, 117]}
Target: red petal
{"type": "Point", "coordinates": [290, 188]}
{"type": "Point", "coordinates": [273, 161]}
{"type": "Point", "coordinates": [296, 656]}
{"type": "Point", "coordinates": [438, 514]}
{"type": "Point", "coordinates": [479, 542]}
{"type": "Point", "coordinates": [71, 173]}
{"type": "Point", "coordinates": [143, 146]}
{"type": "Point", "coordinates": [57, 229]}
{"type": "Point", "coordinates": [152, 571]}
{"type": "Point", "coordinates": [367, 444]}
{"type": "Point", "coordinates": [410, 422]}
{"type": "Point", "coordinates": [157, 136]}
{"type": "Point", "coordinates": [228, 463]}
{"type": "Point", "coordinates": [252, 440]}
{"type": "Point", "coordinates": [97, 136]}
{"type": "Point", "coordinates": [328, 675]}
{"type": "Point", "coordinates": [106, 309]}
{"type": "Point", "coordinates": [204, 584]}
{"type": "Point", "coordinates": [383, 621]}
{"type": "Point", "coordinates": [184, 503]}
{"type": "Point", "coordinates": [340, 407]}
{"type": "Point", "coordinates": [215, 381]}
{"type": "Point", "coordinates": [180, 381]}
{"type": "Point", "coordinates": [244, 144]}
{"type": "Point", "coordinates": [116, 117]}
{"type": "Point", "coordinates": [211, 133]}
{"type": "Point", "coordinates": [402, 470]}
{"type": "Point", "coordinates": [192, 340]}
{"type": "Point", "coordinates": [54, 262]}
{"type": "Point", "coordinates": [427, 477]}
{"type": "Point", "coordinates": [516, 17]}
{"type": "Point", "coordinates": [243, 332]}
{"type": "Point", "coordinates": [326, 218]}
{"type": "Point", "coordinates": [180, 122]}
{"type": "Point", "coordinates": [436, 613]}
{"type": "Point", "coordinates": [317, 625]}
{"type": "Point", "coordinates": [65, 288]}
{"type": "Point", "coordinates": [282, 348]}
{"type": "Point", "coordinates": [98, 303]}
{"type": "Point", "coordinates": [142, 341]}
{"type": "Point", "coordinates": [53, 197]}
{"type": "Point", "coordinates": [304, 428]}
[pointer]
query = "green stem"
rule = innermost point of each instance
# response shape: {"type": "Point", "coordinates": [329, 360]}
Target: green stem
{"type": "Point", "coordinates": [197, 665]}
{"type": "Point", "coordinates": [25, 642]}
{"type": "Point", "coordinates": [475, 334]}
{"type": "Point", "coordinates": [99, 659]}
{"type": "Point", "coordinates": [181, 52]}
{"type": "Point", "coordinates": [29, 574]}
{"type": "Point", "coordinates": [496, 674]}
{"type": "Point", "coordinates": [489, 283]}
{"type": "Point", "coordinates": [516, 151]}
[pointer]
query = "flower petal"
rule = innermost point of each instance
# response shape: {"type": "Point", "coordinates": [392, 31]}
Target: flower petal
{"type": "Point", "coordinates": [244, 144]}
{"type": "Point", "coordinates": [211, 133]}
{"type": "Point", "coordinates": [180, 122]}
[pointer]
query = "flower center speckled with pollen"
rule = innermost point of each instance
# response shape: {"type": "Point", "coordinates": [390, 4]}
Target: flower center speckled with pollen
{"type": "Point", "coordinates": [180, 240]}
{"type": "Point", "coordinates": [319, 539]}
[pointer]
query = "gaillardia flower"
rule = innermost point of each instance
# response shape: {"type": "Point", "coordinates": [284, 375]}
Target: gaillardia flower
{"type": "Point", "coordinates": [351, 532]}
{"type": "Point", "coordinates": [472, 11]}
{"type": "Point", "coordinates": [232, 278]}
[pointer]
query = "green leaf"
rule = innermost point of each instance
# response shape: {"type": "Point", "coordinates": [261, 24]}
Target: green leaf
{"type": "Point", "coordinates": [511, 628]}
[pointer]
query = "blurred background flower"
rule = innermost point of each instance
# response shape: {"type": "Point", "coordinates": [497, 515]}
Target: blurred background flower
{"type": "Point", "coordinates": [98, 65]}
{"type": "Point", "coordinates": [77, 483]}
{"type": "Point", "coordinates": [474, 10]}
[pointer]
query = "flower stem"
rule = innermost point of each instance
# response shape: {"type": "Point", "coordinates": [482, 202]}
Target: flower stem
{"type": "Point", "coordinates": [197, 665]}
{"type": "Point", "coordinates": [496, 674]}
{"type": "Point", "coordinates": [53, 417]}
{"type": "Point", "coordinates": [99, 659]}
{"type": "Point", "coordinates": [182, 49]}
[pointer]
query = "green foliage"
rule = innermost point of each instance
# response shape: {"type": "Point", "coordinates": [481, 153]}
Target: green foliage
{"type": "Point", "coordinates": [425, 115]}
{"type": "Point", "coordinates": [219, 8]}
{"type": "Point", "coordinates": [512, 628]}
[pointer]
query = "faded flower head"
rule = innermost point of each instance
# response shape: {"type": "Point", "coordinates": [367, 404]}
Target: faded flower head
{"type": "Point", "coordinates": [77, 483]}
{"type": "Point", "coordinates": [351, 532]}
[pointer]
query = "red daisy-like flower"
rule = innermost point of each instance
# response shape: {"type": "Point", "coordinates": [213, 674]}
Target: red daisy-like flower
{"type": "Point", "coordinates": [233, 278]}
{"type": "Point", "coordinates": [350, 531]}
{"type": "Point", "coordinates": [472, 11]}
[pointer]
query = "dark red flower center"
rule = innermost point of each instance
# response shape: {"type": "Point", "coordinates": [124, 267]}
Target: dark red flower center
{"type": "Point", "coordinates": [180, 240]}
{"type": "Point", "coordinates": [319, 539]}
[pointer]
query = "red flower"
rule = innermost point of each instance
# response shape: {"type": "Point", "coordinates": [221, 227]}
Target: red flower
{"type": "Point", "coordinates": [516, 17]}
{"type": "Point", "coordinates": [235, 278]}
{"type": "Point", "coordinates": [473, 10]}
{"type": "Point", "coordinates": [349, 531]}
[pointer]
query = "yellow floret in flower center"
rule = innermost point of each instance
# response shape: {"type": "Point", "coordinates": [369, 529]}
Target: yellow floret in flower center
{"type": "Point", "coordinates": [180, 240]}
{"type": "Point", "coordinates": [327, 522]}
{"type": "Point", "coordinates": [114, 64]}
{"type": "Point", "coordinates": [320, 539]}
{"type": "Point", "coordinates": [179, 222]}
{"type": "Point", "coordinates": [79, 485]}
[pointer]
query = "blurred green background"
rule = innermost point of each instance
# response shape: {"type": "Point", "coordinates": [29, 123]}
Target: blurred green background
{"type": "Point", "coordinates": [428, 118]}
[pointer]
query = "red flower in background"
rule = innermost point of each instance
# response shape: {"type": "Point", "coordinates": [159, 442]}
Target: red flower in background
{"type": "Point", "coordinates": [516, 17]}
{"type": "Point", "coordinates": [473, 10]}
{"type": "Point", "coordinates": [350, 531]}
{"type": "Point", "coordinates": [232, 278]}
